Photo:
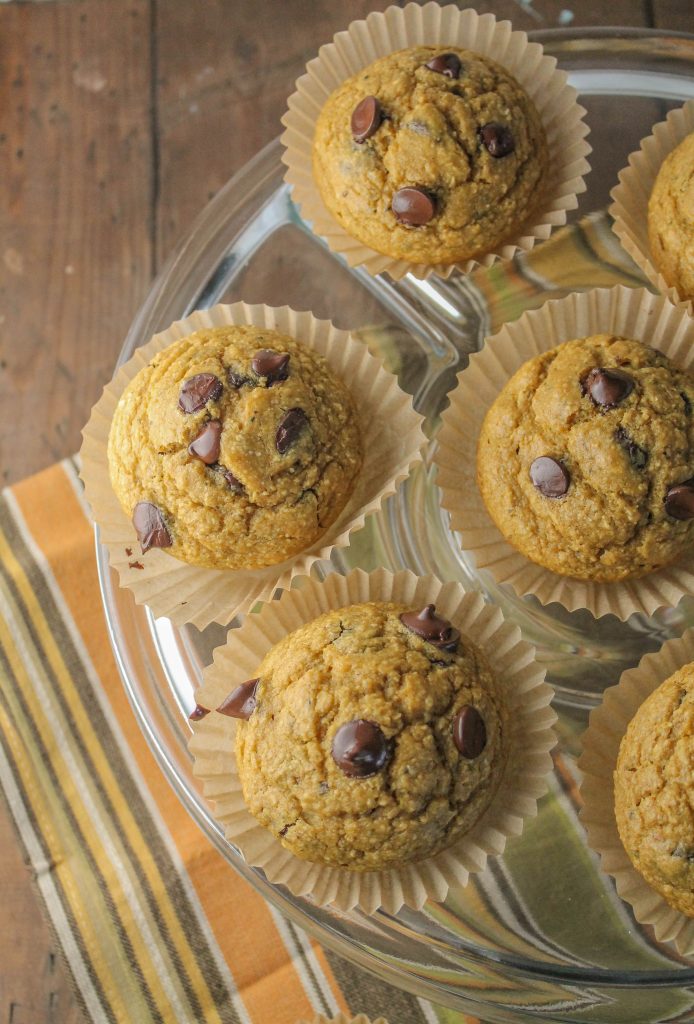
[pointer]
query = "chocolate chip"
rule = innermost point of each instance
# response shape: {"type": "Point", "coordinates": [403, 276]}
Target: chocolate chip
{"type": "Point", "coordinates": [198, 712]}
{"type": "Point", "coordinates": [638, 456]}
{"type": "Point", "coordinates": [447, 64]}
{"type": "Point", "coordinates": [549, 476]}
{"type": "Point", "coordinates": [607, 388]}
{"type": "Point", "coordinates": [290, 426]}
{"type": "Point", "coordinates": [413, 206]}
{"type": "Point", "coordinates": [241, 702]}
{"type": "Point", "coordinates": [206, 445]}
{"type": "Point", "coordinates": [236, 379]}
{"type": "Point", "coordinates": [233, 482]}
{"type": "Point", "coordinates": [366, 117]}
{"type": "Point", "coordinates": [360, 749]}
{"type": "Point", "coordinates": [432, 628]}
{"type": "Point", "coordinates": [679, 500]}
{"type": "Point", "coordinates": [687, 404]}
{"type": "Point", "coordinates": [150, 527]}
{"type": "Point", "coordinates": [274, 366]}
{"type": "Point", "coordinates": [469, 732]}
{"type": "Point", "coordinates": [497, 139]}
{"type": "Point", "coordinates": [197, 391]}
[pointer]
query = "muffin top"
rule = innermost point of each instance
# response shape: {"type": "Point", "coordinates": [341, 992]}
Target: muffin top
{"type": "Point", "coordinates": [652, 785]}
{"type": "Point", "coordinates": [671, 219]}
{"type": "Point", "coordinates": [374, 735]}
{"type": "Point", "coordinates": [431, 155]}
{"type": "Point", "coordinates": [585, 460]}
{"type": "Point", "coordinates": [235, 448]}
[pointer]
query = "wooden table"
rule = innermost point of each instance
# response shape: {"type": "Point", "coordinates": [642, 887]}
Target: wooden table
{"type": "Point", "coordinates": [119, 119]}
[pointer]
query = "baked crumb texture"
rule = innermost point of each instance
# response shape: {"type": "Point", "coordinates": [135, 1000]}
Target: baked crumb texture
{"type": "Point", "coordinates": [653, 790]}
{"type": "Point", "coordinates": [615, 418]}
{"type": "Point", "coordinates": [449, 124]}
{"type": "Point", "coordinates": [245, 456]}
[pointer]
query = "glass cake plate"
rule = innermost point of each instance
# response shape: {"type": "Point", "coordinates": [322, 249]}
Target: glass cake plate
{"type": "Point", "coordinates": [540, 935]}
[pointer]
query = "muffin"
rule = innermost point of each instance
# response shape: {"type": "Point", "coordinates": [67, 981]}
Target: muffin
{"type": "Point", "coordinates": [372, 736]}
{"type": "Point", "coordinates": [652, 788]}
{"type": "Point", "coordinates": [585, 460]}
{"type": "Point", "coordinates": [234, 448]}
{"type": "Point", "coordinates": [671, 219]}
{"type": "Point", "coordinates": [432, 155]}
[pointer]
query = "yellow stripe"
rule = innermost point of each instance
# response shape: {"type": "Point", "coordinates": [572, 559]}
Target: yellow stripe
{"type": "Point", "coordinates": [58, 837]}
{"type": "Point", "coordinates": [125, 818]}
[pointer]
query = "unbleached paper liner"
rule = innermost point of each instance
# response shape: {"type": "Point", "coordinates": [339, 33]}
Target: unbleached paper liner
{"type": "Point", "coordinates": [397, 28]}
{"type": "Point", "coordinates": [391, 434]}
{"type": "Point", "coordinates": [525, 777]}
{"type": "Point", "coordinates": [629, 208]}
{"type": "Point", "coordinates": [606, 727]}
{"type": "Point", "coordinates": [634, 313]}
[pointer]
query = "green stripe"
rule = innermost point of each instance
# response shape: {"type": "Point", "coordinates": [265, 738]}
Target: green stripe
{"type": "Point", "coordinates": [375, 998]}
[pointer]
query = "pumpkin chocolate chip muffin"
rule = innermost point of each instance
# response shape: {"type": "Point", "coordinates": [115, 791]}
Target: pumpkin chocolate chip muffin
{"type": "Point", "coordinates": [652, 787]}
{"type": "Point", "coordinates": [585, 460]}
{"type": "Point", "coordinates": [372, 736]}
{"type": "Point", "coordinates": [235, 448]}
{"type": "Point", "coordinates": [671, 219]}
{"type": "Point", "coordinates": [431, 155]}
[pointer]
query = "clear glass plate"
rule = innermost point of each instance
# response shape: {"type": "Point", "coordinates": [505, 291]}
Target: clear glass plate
{"type": "Point", "coordinates": [541, 934]}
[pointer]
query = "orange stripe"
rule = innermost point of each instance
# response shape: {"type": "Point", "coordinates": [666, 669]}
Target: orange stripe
{"type": "Point", "coordinates": [67, 543]}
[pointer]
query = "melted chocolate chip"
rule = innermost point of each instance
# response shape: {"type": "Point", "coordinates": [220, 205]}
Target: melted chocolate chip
{"type": "Point", "coordinates": [679, 500]}
{"type": "Point", "coordinates": [206, 445]}
{"type": "Point", "coordinates": [413, 206]}
{"type": "Point", "coordinates": [198, 712]}
{"type": "Point", "coordinates": [233, 482]}
{"type": "Point", "coordinates": [237, 380]}
{"type": "Point", "coordinates": [273, 366]}
{"type": "Point", "coordinates": [360, 749]}
{"type": "Point", "coordinates": [469, 732]}
{"type": "Point", "coordinates": [687, 404]}
{"type": "Point", "coordinates": [197, 391]}
{"type": "Point", "coordinates": [638, 456]}
{"type": "Point", "coordinates": [549, 476]}
{"type": "Point", "coordinates": [241, 702]}
{"type": "Point", "coordinates": [497, 139]}
{"type": "Point", "coordinates": [607, 388]}
{"type": "Point", "coordinates": [447, 64]}
{"type": "Point", "coordinates": [290, 426]}
{"type": "Point", "coordinates": [432, 628]}
{"type": "Point", "coordinates": [150, 527]}
{"type": "Point", "coordinates": [366, 117]}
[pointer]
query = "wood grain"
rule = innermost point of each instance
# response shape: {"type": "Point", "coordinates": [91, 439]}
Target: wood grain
{"type": "Point", "coordinates": [75, 223]}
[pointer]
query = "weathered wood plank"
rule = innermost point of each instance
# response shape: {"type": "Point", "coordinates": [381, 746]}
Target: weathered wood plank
{"type": "Point", "coordinates": [75, 255]}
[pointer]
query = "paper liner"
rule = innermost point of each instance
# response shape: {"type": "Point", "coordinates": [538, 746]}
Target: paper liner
{"type": "Point", "coordinates": [634, 313]}
{"type": "Point", "coordinates": [606, 727]}
{"type": "Point", "coordinates": [630, 197]}
{"type": "Point", "coordinates": [395, 29]}
{"type": "Point", "coordinates": [525, 778]}
{"type": "Point", "coordinates": [391, 434]}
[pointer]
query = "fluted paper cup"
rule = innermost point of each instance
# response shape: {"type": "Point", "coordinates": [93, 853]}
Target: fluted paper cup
{"type": "Point", "coordinates": [525, 777]}
{"type": "Point", "coordinates": [633, 313]}
{"type": "Point", "coordinates": [630, 197]}
{"type": "Point", "coordinates": [391, 434]}
{"type": "Point", "coordinates": [598, 760]}
{"type": "Point", "coordinates": [395, 29]}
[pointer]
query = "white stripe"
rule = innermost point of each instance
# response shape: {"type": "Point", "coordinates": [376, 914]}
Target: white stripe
{"type": "Point", "coordinates": [122, 743]}
{"type": "Point", "coordinates": [428, 1011]}
{"type": "Point", "coordinates": [104, 827]}
{"type": "Point", "coordinates": [49, 892]}
{"type": "Point", "coordinates": [293, 948]}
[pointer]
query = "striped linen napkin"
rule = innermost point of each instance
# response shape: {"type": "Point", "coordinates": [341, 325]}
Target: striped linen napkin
{"type": "Point", "coordinates": [128, 880]}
